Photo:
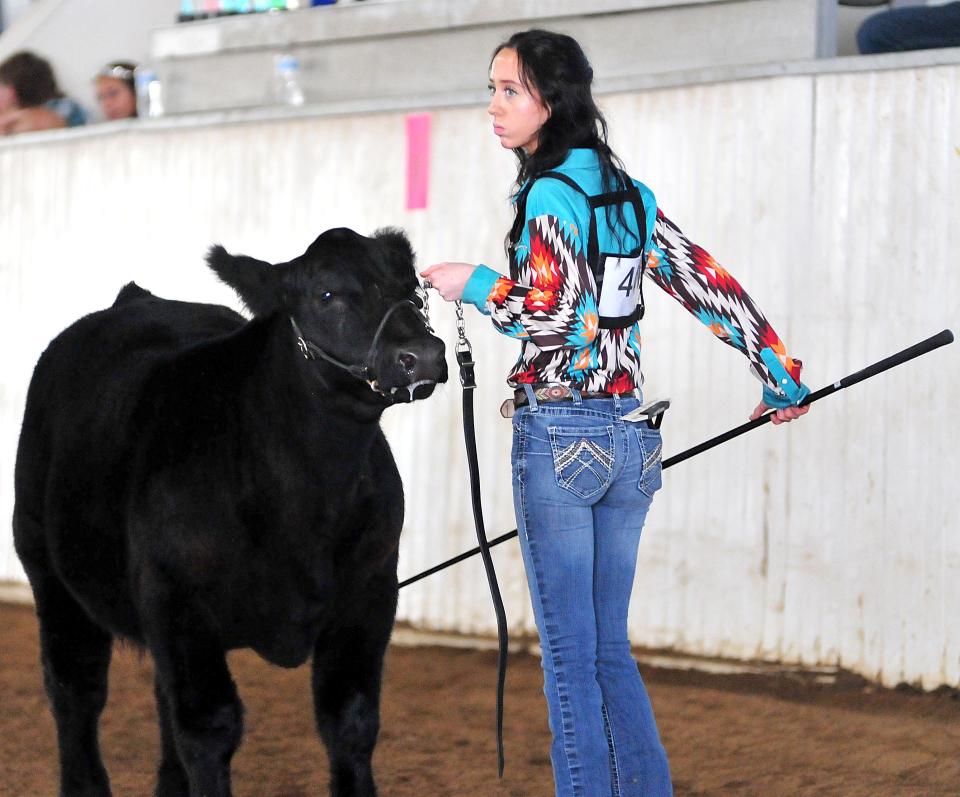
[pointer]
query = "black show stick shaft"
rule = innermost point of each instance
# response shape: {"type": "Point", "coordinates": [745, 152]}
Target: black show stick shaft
{"type": "Point", "coordinates": [924, 346]}
{"type": "Point", "coordinates": [911, 352]}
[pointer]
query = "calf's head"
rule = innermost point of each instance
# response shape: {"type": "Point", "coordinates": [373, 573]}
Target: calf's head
{"type": "Point", "coordinates": [354, 303]}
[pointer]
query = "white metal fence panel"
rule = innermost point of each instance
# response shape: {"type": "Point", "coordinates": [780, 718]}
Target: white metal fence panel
{"type": "Point", "coordinates": [883, 543]}
{"type": "Point", "coordinates": [833, 199]}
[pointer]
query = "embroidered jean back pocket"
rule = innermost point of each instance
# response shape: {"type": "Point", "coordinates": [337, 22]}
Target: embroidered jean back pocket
{"type": "Point", "coordinates": [651, 447]}
{"type": "Point", "coordinates": [582, 458]}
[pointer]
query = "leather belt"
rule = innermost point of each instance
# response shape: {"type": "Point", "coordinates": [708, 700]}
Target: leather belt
{"type": "Point", "coordinates": [549, 393]}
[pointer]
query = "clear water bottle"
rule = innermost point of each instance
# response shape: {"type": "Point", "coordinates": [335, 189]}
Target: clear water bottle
{"type": "Point", "coordinates": [149, 93]}
{"type": "Point", "coordinates": [287, 90]}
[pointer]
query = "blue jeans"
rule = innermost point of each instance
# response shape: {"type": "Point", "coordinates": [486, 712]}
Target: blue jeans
{"type": "Point", "coordinates": [910, 28]}
{"type": "Point", "coordinates": [583, 480]}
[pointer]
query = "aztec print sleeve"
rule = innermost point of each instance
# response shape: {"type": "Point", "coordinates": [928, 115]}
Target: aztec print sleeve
{"type": "Point", "coordinates": [552, 303]}
{"type": "Point", "coordinates": [692, 277]}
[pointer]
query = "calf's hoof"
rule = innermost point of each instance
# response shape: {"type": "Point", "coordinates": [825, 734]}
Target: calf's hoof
{"type": "Point", "coordinates": [172, 783]}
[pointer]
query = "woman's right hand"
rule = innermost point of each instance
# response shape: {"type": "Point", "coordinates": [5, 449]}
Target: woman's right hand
{"type": "Point", "coordinates": [449, 279]}
{"type": "Point", "coordinates": [784, 415]}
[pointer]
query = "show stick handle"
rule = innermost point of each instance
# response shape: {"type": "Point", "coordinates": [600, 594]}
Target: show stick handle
{"type": "Point", "coordinates": [917, 349]}
{"type": "Point", "coordinates": [909, 353]}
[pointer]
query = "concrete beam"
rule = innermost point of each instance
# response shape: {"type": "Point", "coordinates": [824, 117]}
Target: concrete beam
{"type": "Point", "coordinates": [388, 49]}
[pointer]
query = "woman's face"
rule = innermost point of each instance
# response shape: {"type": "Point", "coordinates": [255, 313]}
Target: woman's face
{"type": "Point", "coordinates": [116, 99]}
{"type": "Point", "coordinates": [518, 112]}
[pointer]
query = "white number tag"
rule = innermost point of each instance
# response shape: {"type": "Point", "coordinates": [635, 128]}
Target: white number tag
{"type": "Point", "coordinates": [620, 293]}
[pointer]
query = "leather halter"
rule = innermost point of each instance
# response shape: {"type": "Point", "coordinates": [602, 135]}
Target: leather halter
{"type": "Point", "coordinates": [361, 370]}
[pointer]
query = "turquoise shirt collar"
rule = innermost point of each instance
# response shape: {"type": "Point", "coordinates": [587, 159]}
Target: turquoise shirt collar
{"type": "Point", "coordinates": [581, 159]}
{"type": "Point", "coordinates": [577, 158]}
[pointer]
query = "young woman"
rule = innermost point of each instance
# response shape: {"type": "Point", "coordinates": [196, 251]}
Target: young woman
{"type": "Point", "coordinates": [116, 91]}
{"type": "Point", "coordinates": [583, 475]}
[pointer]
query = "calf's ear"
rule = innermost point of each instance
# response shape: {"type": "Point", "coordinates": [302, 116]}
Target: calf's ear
{"type": "Point", "coordinates": [257, 283]}
{"type": "Point", "coordinates": [399, 251]}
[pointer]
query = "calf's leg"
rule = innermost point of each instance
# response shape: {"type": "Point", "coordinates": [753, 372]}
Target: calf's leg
{"type": "Point", "coordinates": [75, 653]}
{"type": "Point", "coordinates": [171, 776]}
{"type": "Point", "coordinates": [199, 707]}
{"type": "Point", "coordinates": [347, 668]}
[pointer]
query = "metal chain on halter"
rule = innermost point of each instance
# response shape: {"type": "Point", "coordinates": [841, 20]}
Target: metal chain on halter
{"type": "Point", "coordinates": [423, 296]}
{"type": "Point", "coordinates": [464, 351]}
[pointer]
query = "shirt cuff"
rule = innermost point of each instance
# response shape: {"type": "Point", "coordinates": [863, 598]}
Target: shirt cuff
{"type": "Point", "coordinates": [479, 285]}
{"type": "Point", "coordinates": [781, 402]}
{"type": "Point", "coordinates": [788, 393]}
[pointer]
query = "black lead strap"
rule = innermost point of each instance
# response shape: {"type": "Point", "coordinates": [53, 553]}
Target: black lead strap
{"type": "Point", "coordinates": [469, 383]}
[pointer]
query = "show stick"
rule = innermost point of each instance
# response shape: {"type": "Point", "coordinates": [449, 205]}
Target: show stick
{"type": "Point", "coordinates": [910, 353]}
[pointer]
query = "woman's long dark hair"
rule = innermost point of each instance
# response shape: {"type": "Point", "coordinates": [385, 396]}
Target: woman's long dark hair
{"type": "Point", "coordinates": [554, 65]}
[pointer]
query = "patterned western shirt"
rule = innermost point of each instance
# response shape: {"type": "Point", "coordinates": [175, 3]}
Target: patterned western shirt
{"type": "Point", "coordinates": [549, 302]}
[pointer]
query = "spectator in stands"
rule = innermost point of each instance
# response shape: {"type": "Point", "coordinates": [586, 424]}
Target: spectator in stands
{"type": "Point", "coordinates": [30, 99]}
{"type": "Point", "coordinates": [116, 91]}
{"type": "Point", "coordinates": [919, 27]}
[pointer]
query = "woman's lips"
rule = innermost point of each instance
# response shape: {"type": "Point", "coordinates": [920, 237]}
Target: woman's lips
{"type": "Point", "coordinates": [497, 130]}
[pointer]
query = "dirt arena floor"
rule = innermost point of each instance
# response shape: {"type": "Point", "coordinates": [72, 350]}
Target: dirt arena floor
{"type": "Point", "coordinates": [726, 735]}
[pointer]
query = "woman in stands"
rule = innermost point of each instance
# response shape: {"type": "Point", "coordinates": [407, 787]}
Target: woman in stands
{"type": "Point", "coordinates": [584, 475]}
{"type": "Point", "coordinates": [116, 91]}
{"type": "Point", "coordinates": [30, 99]}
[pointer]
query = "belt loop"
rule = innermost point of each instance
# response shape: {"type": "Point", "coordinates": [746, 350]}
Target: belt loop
{"type": "Point", "coordinates": [575, 395]}
{"type": "Point", "coordinates": [531, 397]}
{"type": "Point", "coordinates": [616, 404]}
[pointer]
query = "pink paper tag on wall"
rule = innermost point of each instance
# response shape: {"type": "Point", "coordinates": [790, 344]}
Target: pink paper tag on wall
{"type": "Point", "coordinates": [418, 160]}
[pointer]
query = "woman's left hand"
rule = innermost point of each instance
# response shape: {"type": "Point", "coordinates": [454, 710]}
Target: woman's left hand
{"type": "Point", "coordinates": [449, 279]}
{"type": "Point", "coordinates": [780, 416]}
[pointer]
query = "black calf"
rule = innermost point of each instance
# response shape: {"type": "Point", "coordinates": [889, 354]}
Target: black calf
{"type": "Point", "coordinates": [191, 481]}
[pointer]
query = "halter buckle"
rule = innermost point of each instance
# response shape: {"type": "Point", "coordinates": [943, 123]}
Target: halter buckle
{"type": "Point", "coordinates": [304, 349]}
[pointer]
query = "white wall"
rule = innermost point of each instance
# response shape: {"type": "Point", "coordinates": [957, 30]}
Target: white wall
{"type": "Point", "coordinates": [11, 9]}
{"type": "Point", "coordinates": [832, 197]}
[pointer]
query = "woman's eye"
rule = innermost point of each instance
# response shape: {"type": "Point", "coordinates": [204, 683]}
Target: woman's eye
{"type": "Point", "coordinates": [510, 92]}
